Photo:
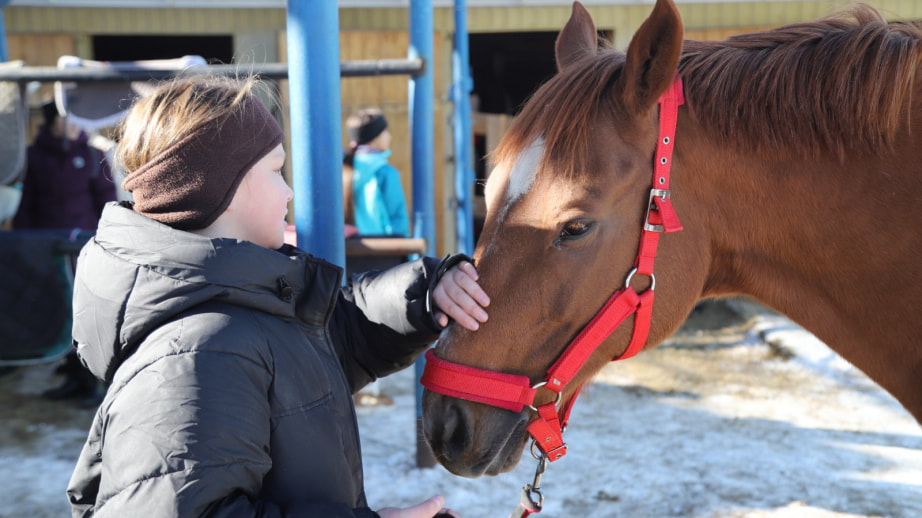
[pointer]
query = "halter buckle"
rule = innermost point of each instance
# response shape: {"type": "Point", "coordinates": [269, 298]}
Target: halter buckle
{"type": "Point", "coordinates": [663, 194]}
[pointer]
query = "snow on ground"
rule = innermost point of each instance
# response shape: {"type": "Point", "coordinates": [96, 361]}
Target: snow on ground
{"type": "Point", "coordinates": [751, 418]}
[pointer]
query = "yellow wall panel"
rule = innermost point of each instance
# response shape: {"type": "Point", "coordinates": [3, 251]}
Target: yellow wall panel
{"type": "Point", "coordinates": [39, 49]}
{"type": "Point", "coordinates": [141, 20]}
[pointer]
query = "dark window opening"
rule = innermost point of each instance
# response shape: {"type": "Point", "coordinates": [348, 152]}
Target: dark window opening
{"type": "Point", "coordinates": [215, 49]}
{"type": "Point", "coordinates": [507, 68]}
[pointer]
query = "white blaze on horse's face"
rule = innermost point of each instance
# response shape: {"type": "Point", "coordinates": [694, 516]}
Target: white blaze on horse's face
{"type": "Point", "coordinates": [524, 171]}
{"type": "Point", "coordinates": [506, 185]}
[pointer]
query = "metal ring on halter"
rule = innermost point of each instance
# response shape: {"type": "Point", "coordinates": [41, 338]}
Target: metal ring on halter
{"type": "Point", "coordinates": [539, 456]}
{"type": "Point", "coordinates": [538, 385]}
{"type": "Point", "coordinates": [627, 283]}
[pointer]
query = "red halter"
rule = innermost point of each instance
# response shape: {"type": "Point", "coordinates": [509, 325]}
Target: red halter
{"type": "Point", "coordinates": [514, 392]}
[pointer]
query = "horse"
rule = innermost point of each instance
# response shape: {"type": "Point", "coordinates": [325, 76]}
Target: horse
{"type": "Point", "coordinates": [792, 176]}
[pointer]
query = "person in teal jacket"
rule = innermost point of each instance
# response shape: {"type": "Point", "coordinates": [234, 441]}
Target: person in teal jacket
{"type": "Point", "coordinates": [378, 200]}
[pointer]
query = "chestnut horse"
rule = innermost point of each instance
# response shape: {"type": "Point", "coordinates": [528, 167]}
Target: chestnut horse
{"type": "Point", "coordinates": [796, 176]}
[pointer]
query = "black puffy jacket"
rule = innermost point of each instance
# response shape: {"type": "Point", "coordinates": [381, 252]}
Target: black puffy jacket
{"type": "Point", "coordinates": [231, 370]}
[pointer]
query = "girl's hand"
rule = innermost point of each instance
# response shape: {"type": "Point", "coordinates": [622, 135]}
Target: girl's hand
{"type": "Point", "coordinates": [458, 296]}
{"type": "Point", "coordinates": [427, 509]}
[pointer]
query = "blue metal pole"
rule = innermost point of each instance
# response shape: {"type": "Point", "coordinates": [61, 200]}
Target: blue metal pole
{"type": "Point", "coordinates": [464, 171]}
{"type": "Point", "coordinates": [4, 53]}
{"type": "Point", "coordinates": [421, 95]}
{"type": "Point", "coordinates": [316, 129]}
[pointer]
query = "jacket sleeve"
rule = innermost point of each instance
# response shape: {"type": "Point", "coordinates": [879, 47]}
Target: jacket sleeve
{"type": "Point", "coordinates": [187, 435]}
{"type": "Point", "coordinates": [385, 319]}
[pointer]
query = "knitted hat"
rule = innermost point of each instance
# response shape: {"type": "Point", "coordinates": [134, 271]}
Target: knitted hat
{"type": "Point", "coordinates": [188, 185]}
{"type": "Point", "coordinates": [367, 130]}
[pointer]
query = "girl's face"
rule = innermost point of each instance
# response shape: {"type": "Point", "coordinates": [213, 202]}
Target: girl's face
{"type": "Point", "coordinates": [261, 202]}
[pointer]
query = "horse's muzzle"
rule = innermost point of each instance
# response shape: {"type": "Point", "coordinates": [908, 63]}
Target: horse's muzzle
{"type": "Point", "coordinates": [472, 439]}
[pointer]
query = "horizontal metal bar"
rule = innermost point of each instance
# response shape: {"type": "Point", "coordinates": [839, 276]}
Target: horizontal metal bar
{"type": "Point", "coordinates": [124, 72]}
{"type": "Point", "coordinates": [381, 67]}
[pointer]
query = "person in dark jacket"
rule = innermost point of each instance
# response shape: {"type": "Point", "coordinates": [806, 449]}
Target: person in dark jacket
{"type": "Point", "coordinates": [231, 358]}
{"type": "Point", "coordinates": [66, 185]}
{"type": "Point", "coordinates": [67, 181]}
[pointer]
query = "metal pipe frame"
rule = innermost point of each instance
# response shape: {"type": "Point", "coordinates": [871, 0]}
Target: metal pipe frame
{"type": "Point", "coordinates": [358, 68]}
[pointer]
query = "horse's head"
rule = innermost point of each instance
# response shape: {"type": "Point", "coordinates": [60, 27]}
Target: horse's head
{"type": "Point", "coordinates": [565, 206]}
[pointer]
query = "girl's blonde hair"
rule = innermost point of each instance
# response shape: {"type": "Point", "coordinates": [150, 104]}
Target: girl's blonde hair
{"type": "Point", "coordinates": [174, 110]}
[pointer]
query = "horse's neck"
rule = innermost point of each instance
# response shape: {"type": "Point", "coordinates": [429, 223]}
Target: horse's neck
{"type": "Point", "coordinates": [783, 231]}
{"type": "Point", "coordinates": [829, 244]}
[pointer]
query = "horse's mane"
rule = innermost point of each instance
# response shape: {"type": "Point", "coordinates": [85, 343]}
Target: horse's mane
{"type": "Point", "coordinates": [839, 83]}
{"type": "Point", "coordinates": [842, 82]}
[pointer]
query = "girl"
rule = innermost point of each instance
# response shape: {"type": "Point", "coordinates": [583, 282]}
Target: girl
{"type": "Point", "coordinates": [377, 201]}
{"type": "Point", "coordinates": [231, 358]}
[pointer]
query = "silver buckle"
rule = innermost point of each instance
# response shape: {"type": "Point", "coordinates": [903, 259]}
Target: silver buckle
{"type": "Point", "coordinates": [663, 194]}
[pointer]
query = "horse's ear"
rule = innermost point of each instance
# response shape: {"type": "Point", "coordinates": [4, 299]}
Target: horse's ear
{"type": "Point", "coordinates": [578, 37]}
{"type": "Point", "coordinates": [652, 57]}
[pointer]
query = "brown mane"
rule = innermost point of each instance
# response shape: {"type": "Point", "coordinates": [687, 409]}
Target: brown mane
{"type": "Point", "coordinates": [839, 83]}
{"type": "Point", "coordinates": [836, 84]}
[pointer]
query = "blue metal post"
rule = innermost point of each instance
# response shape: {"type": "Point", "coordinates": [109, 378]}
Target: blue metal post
{"type": "Point", "coordinates": [464, 171]}
{"type": "Point", "coordinates": [421, 95]}
{"type": "Point", "coordinates": [316, 129]}
{"type": "Point", "coordinates": [4, 53]}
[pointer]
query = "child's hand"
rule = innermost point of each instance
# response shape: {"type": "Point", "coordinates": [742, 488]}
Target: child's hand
{"type": "Point", "coordinates": [431, 508]}
{"type": "Point", "coordinates": [458, 296]}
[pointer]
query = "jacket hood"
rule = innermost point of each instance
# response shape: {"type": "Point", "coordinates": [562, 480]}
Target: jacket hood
{"type": "Point", "coordinates": [136, 274]}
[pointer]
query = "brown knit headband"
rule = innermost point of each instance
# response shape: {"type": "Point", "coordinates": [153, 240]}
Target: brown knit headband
{"type": "Point", "coordinates": [189, 185]}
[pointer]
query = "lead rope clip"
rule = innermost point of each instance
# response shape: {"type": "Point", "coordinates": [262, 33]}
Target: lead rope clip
{"type": "Point", "coordinates": [532, 498]}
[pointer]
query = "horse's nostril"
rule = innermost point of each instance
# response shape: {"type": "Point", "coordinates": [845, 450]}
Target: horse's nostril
{"type": "Point", "coordinates": [458, 428]}
{"type": "Point", "coordinates": [455, 436]}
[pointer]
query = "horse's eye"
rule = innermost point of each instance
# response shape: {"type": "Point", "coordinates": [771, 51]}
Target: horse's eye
{"type": "Point", "coordinates": [574, 229]}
